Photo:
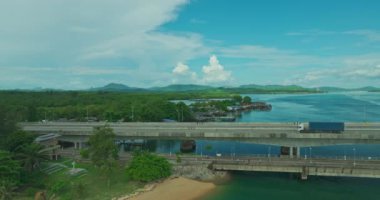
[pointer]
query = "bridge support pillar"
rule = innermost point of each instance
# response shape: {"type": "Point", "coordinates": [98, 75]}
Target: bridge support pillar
{"type": "Point", "coordinates": [298, 152]}
{"type": "Point", "coordinates": [291, 152]}
{"type": "Point", "coordinates": [304, 173]}
{"type": "Point", "coordinates": [77, 145]}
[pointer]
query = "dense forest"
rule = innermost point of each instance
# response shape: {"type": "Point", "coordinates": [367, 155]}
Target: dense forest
{"type": "Point", "coordinates": [102, 106]}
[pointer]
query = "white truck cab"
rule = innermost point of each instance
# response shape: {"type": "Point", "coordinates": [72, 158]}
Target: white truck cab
{"type": "Point", "coordinates": [301, 127]}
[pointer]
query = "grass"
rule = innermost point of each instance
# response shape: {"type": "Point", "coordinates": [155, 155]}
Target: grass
{"type": "Point", "coordinates": [92, 185]}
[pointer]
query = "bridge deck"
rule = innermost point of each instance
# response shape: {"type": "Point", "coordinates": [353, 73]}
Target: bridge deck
{"type": "Point", "coordinates": [285, 134]}
{"type": "Point", "coordinates": [312, 167]}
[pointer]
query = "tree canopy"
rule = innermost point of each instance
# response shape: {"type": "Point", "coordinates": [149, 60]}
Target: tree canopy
{"type": "Point", "coordinates": [16, 141]}
{"type": "Point", "coordinates": [102, 148]}
{"type": "Point", "coordinates": [148, 167]}
{"type": "Point", "coordinates": [247, 99]}
{"type": "Point", "coordinates": [10, 169]}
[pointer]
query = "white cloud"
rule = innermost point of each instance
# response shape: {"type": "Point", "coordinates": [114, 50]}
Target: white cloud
{"type": "Point", "coordinates": [312, 32]}
{"type": "Point", "coordinates": [372, 35]}
{"type": "Point", "coordinates": [268, 56]}
{"type": "Point", "coordinates": [348, 71]}
{"type": "Point", "coordinates": [214, 72]}
{"type": "Point", "coordinates": [94, 33]}
{"type": "Point", "coordinates": [183, 74]}
{"type": "Point", "coordinates": [181, 69]}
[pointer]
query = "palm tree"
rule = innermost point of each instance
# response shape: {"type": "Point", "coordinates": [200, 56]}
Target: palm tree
{"type": "Point", "coordinates": [31, 156]}
{"type": "Point", "coordinates": [6, 190]}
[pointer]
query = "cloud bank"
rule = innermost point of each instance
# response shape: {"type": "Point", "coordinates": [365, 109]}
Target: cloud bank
{"type": "Point", "coordinates": [213, 74]}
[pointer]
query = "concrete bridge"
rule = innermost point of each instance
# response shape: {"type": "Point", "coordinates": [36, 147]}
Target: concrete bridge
{"type": "Point", "coordinates": [282, 134]}
{"type": "Point", "coordinates": [363, 168]}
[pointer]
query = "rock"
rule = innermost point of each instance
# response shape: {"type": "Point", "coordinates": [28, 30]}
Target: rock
{"type": "Point", "coordinates": [198, 172]}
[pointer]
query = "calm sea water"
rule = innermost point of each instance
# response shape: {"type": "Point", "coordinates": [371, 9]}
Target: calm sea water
{"type": "Point", "coordinates": [348, 107]}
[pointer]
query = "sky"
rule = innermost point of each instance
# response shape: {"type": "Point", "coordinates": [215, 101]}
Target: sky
{"type": "Point", "coordinates": [78, 44]}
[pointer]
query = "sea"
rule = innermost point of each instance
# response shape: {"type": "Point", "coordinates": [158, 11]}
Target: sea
{"type": "Point", "coordinates": [323, 107]}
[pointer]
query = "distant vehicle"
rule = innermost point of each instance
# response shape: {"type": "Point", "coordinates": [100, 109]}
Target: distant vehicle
{"type": "Point", "coordinates": [321, 127]}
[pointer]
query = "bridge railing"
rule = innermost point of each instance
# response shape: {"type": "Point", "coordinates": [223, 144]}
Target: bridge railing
{"type": "Point", "coordinates": [277, 157]}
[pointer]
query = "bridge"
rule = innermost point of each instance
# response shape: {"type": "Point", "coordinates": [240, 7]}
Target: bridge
{"type": "Point", "coordinates": [282, 134]}
{"type": "Point", "coordinates": [338, 167]}
{"type": "Point", "coordinates": [360, 167]}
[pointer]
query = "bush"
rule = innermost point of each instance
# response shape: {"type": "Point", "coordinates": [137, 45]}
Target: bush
{"type": "Point", "coordinates": [85, 153]}
{"type": "Point", "coordinates": [178, 158]}
{"type": "Point", "coordinates": [78, 190]}
{"type": "Point", "coordinates": [148, 167]}
{"type": "Point", "coordinates": [58, 186]}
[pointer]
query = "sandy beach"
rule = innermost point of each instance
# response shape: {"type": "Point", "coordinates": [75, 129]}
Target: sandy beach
{"type": "Point", "coordinates": [177, 188]}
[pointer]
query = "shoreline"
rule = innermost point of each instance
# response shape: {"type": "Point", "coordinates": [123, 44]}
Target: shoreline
{"type": "Point", "coordinates": [173, 188]}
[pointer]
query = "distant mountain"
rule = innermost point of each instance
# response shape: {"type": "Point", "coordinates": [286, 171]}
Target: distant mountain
{"type": "Point", "coordinates": [369, 88]}
{"type": "Point", "coordinates": [250, 88]}
{"type": "Point", "coordinates": [117, 87]}
{"type": "Point", "coordinates": [331, 89]}
{"type": "Point", "coordinates": [182, 88]}
{"type": "Point", "coordinates": [273, 87]}
{"type": "Point", "coordinates": [338, 89]}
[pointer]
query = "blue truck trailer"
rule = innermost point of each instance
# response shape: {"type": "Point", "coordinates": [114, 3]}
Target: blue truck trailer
{"type": "Point", "coordinates": [323, 127]}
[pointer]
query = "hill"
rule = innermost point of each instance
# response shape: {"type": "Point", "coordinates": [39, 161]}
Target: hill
{"type": "Point", "coordinates": [117, 87]}
{"type": "Point", "coordinates": [182, 88]}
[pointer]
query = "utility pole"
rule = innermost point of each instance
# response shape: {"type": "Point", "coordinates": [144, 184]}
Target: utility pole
{"type": "Point", "coordinates": [133, 113]}
{"type": "Point", "coordinates": [310, 154]}
{"type": "Point", "coordinates": [182, 114]}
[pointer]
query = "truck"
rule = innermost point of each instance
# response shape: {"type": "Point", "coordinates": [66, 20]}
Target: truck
{"type": "Point", "coordinates": [321, 127]}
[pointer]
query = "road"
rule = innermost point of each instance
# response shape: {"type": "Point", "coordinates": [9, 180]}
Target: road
{"type": "Point", "coordinates": [284, 134]}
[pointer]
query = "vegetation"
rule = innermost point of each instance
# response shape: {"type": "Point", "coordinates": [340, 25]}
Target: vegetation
{"type": "Point", "coordinates": [31, 156]}
{"type": "Point", "coordinates": [246, 100]}
{"type": "Point", "coordinates": [148, 167]}
{"type": "Point", "coordinates": [102, 149]}
{"type": "Point", "coordinates": [10, 169]}
{"type": "Point", "coordinates": [17, 106]}
{"type": "Point", "coordinates": [19, 158]}
{"type": "Point", "coordinates": [17, 141]}
{"type": "Point", "coordinates": [91, 186]}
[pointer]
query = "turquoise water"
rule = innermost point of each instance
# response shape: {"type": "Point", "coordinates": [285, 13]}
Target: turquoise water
{"type": "Point", "coordinates": [348, 107]}
{"type": "Point", "coordinates": [283, 186]}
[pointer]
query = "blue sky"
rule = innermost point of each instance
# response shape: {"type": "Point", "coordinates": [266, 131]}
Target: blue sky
{"type": "Point", "coordinates": [76, 44]}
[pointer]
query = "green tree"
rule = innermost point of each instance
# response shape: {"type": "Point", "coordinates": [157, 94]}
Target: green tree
{"type": "Point", "coordinates": [107, 169]}
{"type": "Point", "coordinates": [102, 148]}
{"type": "Point", "coordinates": [78, 190]}
{"type": "Point", "coordinates": [16, 141]}
{"type": "Point", "coordinates": [237, 98]}
{"type": "Point", "coordinates": [247, 99]}
{"type": "Point", "coordinates": [148, 167]}
{"type": "Point", "coordinates": [7, 124]}
{"type": "Point", "coordinates": [9, 168]}
{"type": "Point", "coordinates": [32, 113]}
{"type": "Point", "coordinates": [31, 156]}
{"type": "Point", "coordinates": [6, 190]}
